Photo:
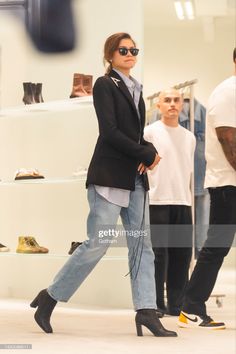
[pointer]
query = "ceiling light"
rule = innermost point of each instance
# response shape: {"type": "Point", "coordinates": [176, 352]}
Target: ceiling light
{"type": "Point", "coordinates": [184, 9]}
{"type": "Point", "coordinates": [179, 10]}
{"type": "Point", "coordinates": [189, 10]}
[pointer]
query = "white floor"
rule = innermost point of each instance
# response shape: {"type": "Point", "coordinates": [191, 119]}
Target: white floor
{"type": "Point", "coordinates": [90, 331]}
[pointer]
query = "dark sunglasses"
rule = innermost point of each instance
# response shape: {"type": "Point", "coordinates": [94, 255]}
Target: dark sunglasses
{"type": "Point", "coordinates": [124, 51]}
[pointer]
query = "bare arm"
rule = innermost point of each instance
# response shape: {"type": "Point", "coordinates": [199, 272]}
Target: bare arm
{"type": "Point", "coordinates": [227, 138]}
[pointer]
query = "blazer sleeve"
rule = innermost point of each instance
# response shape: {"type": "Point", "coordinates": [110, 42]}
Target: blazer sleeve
{"type": "Point", "coordinates": [104, 103]}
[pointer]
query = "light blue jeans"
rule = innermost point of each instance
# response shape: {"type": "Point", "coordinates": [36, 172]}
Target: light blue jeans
{"type": "Point", "coordinates": [102, 219]}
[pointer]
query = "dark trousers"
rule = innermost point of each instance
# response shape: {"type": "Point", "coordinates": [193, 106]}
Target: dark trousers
{"type": "Point", "coordinates": [220, 237]}
{"type": "Point", "coordinates": [171, 233]}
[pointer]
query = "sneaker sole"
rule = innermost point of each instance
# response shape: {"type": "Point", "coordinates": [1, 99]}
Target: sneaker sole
{"type": "Point", "coordinates": [187, 325]}
{"type": "Point", "coordinates": [29, 252]}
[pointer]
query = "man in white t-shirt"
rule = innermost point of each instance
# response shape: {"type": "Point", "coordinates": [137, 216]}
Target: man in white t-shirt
{"type": "Point", "coordinates": [170, 201]}
{"type": "Point", "coordinates": [221, 181]}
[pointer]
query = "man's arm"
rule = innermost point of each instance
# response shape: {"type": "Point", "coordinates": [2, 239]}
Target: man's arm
{"type": "Point", "coordinates": [227, 138]}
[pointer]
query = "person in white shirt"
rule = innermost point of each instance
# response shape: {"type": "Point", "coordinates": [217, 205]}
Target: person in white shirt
{"type": "Point", "coordinates": [170, 201]}
{"type": "Point", "coordinates": [221, 181]}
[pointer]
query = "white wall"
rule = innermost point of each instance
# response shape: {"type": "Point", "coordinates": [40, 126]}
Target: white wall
{"type": "Point", "coordinates": [176, 54]}
{"type": "Point", "coordinates": [21, 62]}
{"type": "Point", "coordinates": [55, 142]}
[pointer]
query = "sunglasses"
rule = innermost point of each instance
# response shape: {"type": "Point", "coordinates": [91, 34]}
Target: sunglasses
{"type": "Point", "coordinates": [124, 51]}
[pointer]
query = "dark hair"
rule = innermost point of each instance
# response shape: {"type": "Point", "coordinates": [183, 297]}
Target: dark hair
{"type": "Point", "coordinates": [234, 55]}
{"type": "Point", "coordinates": [111, 45]}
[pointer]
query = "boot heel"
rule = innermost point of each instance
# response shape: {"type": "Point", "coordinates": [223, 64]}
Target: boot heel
{"type": "Point", "coordinates": [139, 330]}
{"type": "Point", "coordinates": [149, 319]}
{"type": "Point", "coordinates": [35, 302]}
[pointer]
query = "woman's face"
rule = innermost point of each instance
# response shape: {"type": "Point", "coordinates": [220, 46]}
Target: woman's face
{"type": "Point", "coordinates": [126, 62]}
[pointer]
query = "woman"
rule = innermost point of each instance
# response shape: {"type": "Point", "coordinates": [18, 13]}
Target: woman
{"type": "Point", "coordinates": [116, 187]}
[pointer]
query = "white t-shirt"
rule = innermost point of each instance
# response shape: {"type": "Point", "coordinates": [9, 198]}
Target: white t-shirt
{"type": "Point", "coordinates": [170, 179]}
{"type": "Point", "coordinates": [221, 112]}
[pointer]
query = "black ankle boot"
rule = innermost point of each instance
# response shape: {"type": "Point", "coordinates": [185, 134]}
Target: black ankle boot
{"type": "Point", "coordinates": [149, 319]}
{"type": "Point", "coordinates": [38, 97]}
{"type": "Point", "coordinates": [28, 97]}
{"type": "Point", "coordinates": [45, 304]}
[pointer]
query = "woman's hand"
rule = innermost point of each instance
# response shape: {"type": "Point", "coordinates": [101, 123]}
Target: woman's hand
{"type": "Point", "coordinates": [143, 169]}
{"type": "Point", "coordinates": [155, 162]}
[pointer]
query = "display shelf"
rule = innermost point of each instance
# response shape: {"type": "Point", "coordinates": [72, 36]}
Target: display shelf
{"type": "Point", "coordinates": [57, 138]}
{"type": "Point", "coordinates": [43, 181]}
{"type": "Point", "coordinates": [58, 255]}
{"type": "Point", "coordinates": [53, 106]}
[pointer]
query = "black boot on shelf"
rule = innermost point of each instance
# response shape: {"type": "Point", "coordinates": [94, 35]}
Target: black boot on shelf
{"type": "Point", "coordinates": [149, 318]}
{"type": "Point", "coordinates": [45, 304]}
{"type": "Point", "coordinates": [38, 93]}
{"type": "Point", "coordinates": [28, 97]}
{"type": "Point", "coordinates": [73, 247]}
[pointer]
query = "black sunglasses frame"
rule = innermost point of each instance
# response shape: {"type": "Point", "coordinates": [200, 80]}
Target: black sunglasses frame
{"type": "Point", "coordinates": [124, 51]}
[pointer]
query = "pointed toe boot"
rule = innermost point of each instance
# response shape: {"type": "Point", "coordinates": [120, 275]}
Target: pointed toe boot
{"type": "Point", "coordinates": [149, 319]}
{"type": "Point", "coordinates": [45, 305]}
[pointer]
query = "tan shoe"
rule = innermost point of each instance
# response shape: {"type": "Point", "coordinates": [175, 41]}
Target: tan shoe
{"type": "Point", "coordinates": [41, 248]}
{"type": "Point", "coordinates": [82, 85]}
{"type": "Point", "coordinates": [25, 245]}
{"type": "Point", "coordinates": [28, 244]}
{"type": "Point", "coordinates": [88, 84]}
{"type": "Point", "coordinates": [28, 173]}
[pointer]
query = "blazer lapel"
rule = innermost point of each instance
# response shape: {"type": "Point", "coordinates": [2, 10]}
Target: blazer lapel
{"type": "Point", "coordinates": [123, 88]}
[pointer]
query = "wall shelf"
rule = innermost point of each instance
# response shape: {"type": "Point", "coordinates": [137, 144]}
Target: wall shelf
{"type": "Point", "coordinates": [43, 181]}
{"type": "Point", "coordinates": [70, 104]}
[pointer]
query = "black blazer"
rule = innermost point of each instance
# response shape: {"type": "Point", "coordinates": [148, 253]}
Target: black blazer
{"type": "Point", "coordinates": [120, 146]}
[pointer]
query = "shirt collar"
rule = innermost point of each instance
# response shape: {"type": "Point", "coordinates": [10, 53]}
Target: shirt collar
{"type": "Point", "coordinates": [130, 82]}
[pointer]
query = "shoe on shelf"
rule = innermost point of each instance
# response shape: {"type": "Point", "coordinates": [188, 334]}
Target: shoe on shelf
{"type": "Point", "coordinates": [41, 248]}
{"type": "Point", "coordinates": [28, 245]}
{"type": "Point", "coordinates": [82, 85]}
{"type": "Point", "coordinates": [32, 93]}
{"type": "Point", "coordinates": [28, 173]}
{"type": "Point", "coordinates": [4, 248]}
{"type": "Point", "coordinates": [29, 89]}
{"type": "Point", "coordinates": [73, 247]}
{"type": "Point", "coordinates": [80, 172]}
{"type": "Point", "coordinates": [193, 321]}
{"type": "Point", "coordinates": [38, 93]}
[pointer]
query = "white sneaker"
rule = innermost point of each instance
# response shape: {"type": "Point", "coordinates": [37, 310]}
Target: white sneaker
{"type": "Point", "coordinates": [80, 172]}
{"type": "Point", "coordinates": [193, 321]}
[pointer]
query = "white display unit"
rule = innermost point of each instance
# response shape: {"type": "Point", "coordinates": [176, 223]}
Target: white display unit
{"type": "Point", "coordinates": [56, 138]}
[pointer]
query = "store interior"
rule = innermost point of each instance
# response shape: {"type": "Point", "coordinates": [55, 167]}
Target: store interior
{"type": "Point", "coordinates": [56, 137]}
